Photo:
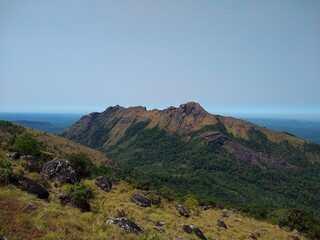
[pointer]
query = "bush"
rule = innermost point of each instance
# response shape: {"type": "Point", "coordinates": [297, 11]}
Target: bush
{"type": "Point", "coordinates": [6, 171]}
{"type": "Point", "coordinates": [81, 164]}
{"type": "Point", "coordinates": [80, 195]}
{"type": "Point", "coordinates": [27, 144]}
{"type": "Point", "coordinates": [297, 219]}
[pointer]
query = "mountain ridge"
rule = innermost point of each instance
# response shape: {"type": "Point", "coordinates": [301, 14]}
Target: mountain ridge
{"type": "Point", "coordinates": [182, 120]}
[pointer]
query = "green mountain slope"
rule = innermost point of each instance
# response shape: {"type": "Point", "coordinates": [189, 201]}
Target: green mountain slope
{"type": "Point", "coordinates": [218, 159]}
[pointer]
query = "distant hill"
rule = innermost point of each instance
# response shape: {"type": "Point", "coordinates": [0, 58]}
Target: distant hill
{"type": "Point", "coordinates": [48, 122]}
{"type": "Point", "coordinates": [216, 158]}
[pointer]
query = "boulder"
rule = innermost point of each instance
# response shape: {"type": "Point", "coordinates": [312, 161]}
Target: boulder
{"type": "Point", "coordinates": [221, 223]}
{"type": "Point", "coordinates": [30, 186]}
{"type": "Point", "coordinates": [103, 183]}
{"type": "Point", "coordinates": [13, 155]}
{"type": "Point", "coordinates": [61, 170]}
{"type": "Point", "coordinates": [182, 211]}
{"type": "Point", "coordinates": [192, 229]}
{"type": "Point", "coordinates": [127, 225]}
{"type": "Point", "coordinates": [141, 200]}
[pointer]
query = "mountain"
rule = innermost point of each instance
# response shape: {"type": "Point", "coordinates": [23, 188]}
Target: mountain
{"type": "Point", "coordinates": [24, 216]}
{"type": "Point", "coordinates": [186, 150]}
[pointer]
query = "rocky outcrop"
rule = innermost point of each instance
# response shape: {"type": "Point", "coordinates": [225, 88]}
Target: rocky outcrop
{"type": "Point", "coordinates": [245, 154]}
{"type": "Point", "coordinates": [182, 211]}
{"type": "Point", "coordinates": [103, 183]}
{"type": "Point", "coordinates": [214, 137]}
{"type": "Point", "coordinates": [30, 186]}
{"type": "Point", "coordinates": [192, 229]}
{"type": "Point", "coordinates": [127, 225]}
{"type": "Point", "coordinates": [141, 200]}
{"type": "Point", "coordinates": [60, 170]}
{"type": "Point", "coordinates": [221, 223]}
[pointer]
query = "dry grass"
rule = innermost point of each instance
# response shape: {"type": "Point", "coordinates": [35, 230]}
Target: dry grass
{"type": "Point", "coordinates": [59, 146]}
{"type": "Point", "coordinates": [53, 221]}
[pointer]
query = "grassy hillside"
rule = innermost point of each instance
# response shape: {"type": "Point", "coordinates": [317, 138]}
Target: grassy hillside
{"type": "Point", "coordinates": [51, 220]}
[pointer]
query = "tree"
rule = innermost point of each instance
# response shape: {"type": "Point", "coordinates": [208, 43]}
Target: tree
{"type": "Point", "coordinates": [27, 144]}
{"type": "Point", "coordinates": [81, 164]}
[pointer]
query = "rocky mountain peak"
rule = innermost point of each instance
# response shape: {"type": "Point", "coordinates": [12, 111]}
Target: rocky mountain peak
{"type": "Point", "coordinates": [192, 108]}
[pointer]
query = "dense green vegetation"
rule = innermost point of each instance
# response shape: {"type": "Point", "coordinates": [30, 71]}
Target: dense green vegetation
{"type": "Point", "coordinates": [86, 169]}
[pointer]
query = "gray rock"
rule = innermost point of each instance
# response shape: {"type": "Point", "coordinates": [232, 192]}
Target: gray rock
{"type": "Point", "coordinates": [61, 170]}
{"type": "Point", "coordinates": [192, 229]}
{"type": "Point", "coordinates": [182, 211]}
{"type": "Point", "coordinates": [103, 183]}
{"type": "Point", "coordinates": [29, 208]}
{"type": "Point", "coordinates": [127, 225]}
{"type": "Point", "coordinates": [13, 155]}
{"type": "Point", "coordinates": [221, 223]}
{"type": "Point", "coordinates": [141, 200]}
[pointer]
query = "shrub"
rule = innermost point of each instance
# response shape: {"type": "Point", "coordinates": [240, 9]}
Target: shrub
{"type": "Point", "coordinates": [27, 144]}
{"type": "Point", "coordinates": [296, 219]}
{"type": "Point", "coordinates": [6, 171]}
{"type": "Point", "coordinates": [80, 195]}
{"type": "Point", "coordinates": [81, 164]}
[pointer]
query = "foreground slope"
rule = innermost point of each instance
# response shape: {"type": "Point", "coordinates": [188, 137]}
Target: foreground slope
{"type": "Point", "coordinates": [51, 220]}
{"type": "Point", "coordinates": [24, 216]}
{"type": "Point", "coordinates": [216, 158]}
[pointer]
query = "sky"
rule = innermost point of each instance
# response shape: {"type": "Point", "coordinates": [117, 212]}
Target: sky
{"type": "Point", "coordinates": [241, 56]}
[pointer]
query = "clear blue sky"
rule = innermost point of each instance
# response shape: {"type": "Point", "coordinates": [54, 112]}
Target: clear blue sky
{"type": "Point", "coordinates": [230, 56]}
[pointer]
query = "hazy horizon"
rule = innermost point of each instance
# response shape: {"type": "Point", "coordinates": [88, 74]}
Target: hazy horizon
{"type": "Point", "coordinates": [233, 57]}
